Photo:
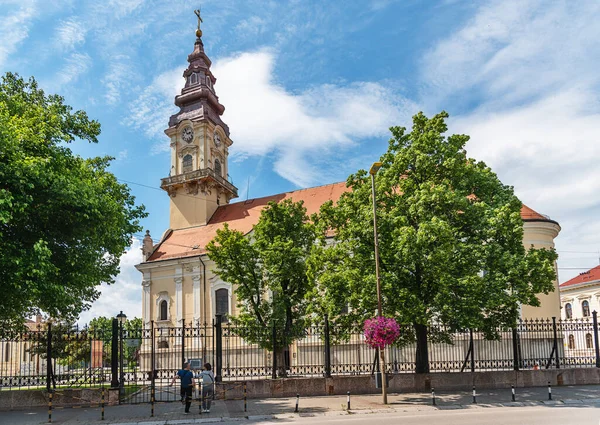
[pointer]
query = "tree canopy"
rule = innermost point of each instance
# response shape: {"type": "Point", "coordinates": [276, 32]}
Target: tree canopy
{"type": "Point", "coordinates": [450, 236]}
{"type": "Point", "coordinates": [64, 220]}
{"type": "Point", "coordinates": [268, 270]}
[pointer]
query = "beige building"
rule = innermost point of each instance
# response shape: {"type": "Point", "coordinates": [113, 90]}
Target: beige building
{"type": "Point", "coordinates": [179, 284]}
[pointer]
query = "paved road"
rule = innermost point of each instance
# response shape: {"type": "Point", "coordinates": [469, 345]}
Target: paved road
{"type": "Point", "coordinates": [490, 416]}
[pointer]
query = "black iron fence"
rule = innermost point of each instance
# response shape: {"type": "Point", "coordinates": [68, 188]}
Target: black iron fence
{"type": "Point", "coordinates": [143, 361]}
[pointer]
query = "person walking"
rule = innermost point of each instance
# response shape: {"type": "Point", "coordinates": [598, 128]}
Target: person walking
{"type": "Point", "coordinates": [186, 376]}
{"type": "Point", "coordinates": [207, 380]}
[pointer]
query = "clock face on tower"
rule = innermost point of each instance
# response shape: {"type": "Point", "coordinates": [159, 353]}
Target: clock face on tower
{"type": "Point", "coordinates": [187, 134]}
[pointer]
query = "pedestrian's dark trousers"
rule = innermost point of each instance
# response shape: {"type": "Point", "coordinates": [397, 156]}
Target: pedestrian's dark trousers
{"type": "Point", "coordinates": [187, 393]}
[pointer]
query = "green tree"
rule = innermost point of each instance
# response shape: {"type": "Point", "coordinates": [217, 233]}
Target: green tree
{"type": "Point", "coordinates": [268, 270]}
{"type": "Point", "coordinates": [64, 220]}
{"type": "Point", "coordinates": [443, 218]}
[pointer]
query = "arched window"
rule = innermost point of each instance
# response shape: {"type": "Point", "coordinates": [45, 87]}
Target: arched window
{"type": "Point", "coordinates": [187, 163]}
{"type": "Point", "coordinates": [588, 341]}
{"type": "Point", "coordinates": [164, 310]}
{"type": "Point", "coordinates": [222, 302]}
{"type": "Point", "coordinates": [163, 344]}
{"type": "Point", "coordinates": [194, 78]}
{"type": "Point", "coordinates": [585, 306]}
{"type": "Point", "coordinates": [568, 311]}
{"type": "Point", "coordinates": [571, 342]}
{"type": "Point", "coordinates": [218, 171]}
{"type": "Point", "coordinates": [208, 82]}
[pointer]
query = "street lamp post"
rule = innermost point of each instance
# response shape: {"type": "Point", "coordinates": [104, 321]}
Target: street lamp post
{"type": "Point", "coordinates": [121, 317]}
{"type": "Point", "coordinates": [374, 168]}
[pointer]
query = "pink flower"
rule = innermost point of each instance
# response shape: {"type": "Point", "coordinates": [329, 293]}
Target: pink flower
{"type": "Point", "coordinates": [381, 332]}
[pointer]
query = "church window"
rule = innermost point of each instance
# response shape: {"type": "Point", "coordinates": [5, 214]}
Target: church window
{"type": "Point", "coordinates": [208, 82]}
{"type": "Point", "coordinates": [163, 344]}
{"type": "Point", "coordinates": [222, 303]}
{"type": "Point", "coordinates": [571, 342]}
{"type": "Point", "coordinates": [218, 171]}
{"type": "Point", "coordinates": [187, 163]}
{"type": "Point", "coordinates": [568, 311]}
{"type": "Point", "coordinates": [164, 310]}
{"type": "Point", "coordinates": [585, 306]}
{"type": "Point", "coordinates": [588, 341]}
{"type": "Point", "coordinates": [194, 78]}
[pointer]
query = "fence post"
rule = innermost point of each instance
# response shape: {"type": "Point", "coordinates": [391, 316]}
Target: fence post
{"type": "Point", "coordinates": [152, 359]}
{"type": "Point", "coordinates": [515, 349]}
{"type": "Point", "coordinates": [274, 363]}
{"type": "Point", "coordinates": [595, 316]}
{"type": "Point", "coordinates": [219, 347]}
{"type": "Point", "coordinates": [327, 349]}
{"type": "Point", "coordinates": [182, 342]}
{"type": "Point", "coordinates": [555, 342]}
{"type": "Point", "coordinates": [114, 354]}
{"type": "Point", "coordinates": [472, 350]}
{"type": "Point", "coordinates": [49, 358]}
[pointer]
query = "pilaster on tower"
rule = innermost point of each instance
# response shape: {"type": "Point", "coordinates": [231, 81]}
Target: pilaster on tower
{"type": "Point", "coordinates": [198, 181]}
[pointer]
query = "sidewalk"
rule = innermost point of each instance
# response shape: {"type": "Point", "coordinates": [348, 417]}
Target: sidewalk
{"type": "Point", "coordinates": [280, 408]}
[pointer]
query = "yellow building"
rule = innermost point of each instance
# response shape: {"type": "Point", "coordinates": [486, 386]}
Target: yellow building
{"type": "Point", "coordinates": [179, 284]}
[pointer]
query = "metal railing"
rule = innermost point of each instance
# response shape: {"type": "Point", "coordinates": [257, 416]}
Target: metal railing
{"type": "Point", "coordinates": [139, 361]}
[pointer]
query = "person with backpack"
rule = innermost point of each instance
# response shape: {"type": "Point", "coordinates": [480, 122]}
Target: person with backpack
{"type": "Point", "coordinates": [186, 376]}
{"type": "Point", "coordinates": [207, 380]}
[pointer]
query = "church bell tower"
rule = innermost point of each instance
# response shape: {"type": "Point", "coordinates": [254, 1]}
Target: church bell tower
{"type": "Point", "coordinates": [198, 183]}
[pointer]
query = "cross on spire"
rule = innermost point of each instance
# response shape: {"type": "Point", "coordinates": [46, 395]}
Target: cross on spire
{"type": "Point", "coordinates": [198, 31]}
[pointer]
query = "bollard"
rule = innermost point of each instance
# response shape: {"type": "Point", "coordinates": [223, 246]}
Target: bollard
{"type": "Point", "coordinates": [474, 395]}
{"type": "Point", "coordinates": [50, 407]}
{"type": "Point", "coordinates": [245, 398]}
{"type": "Point", "coordinates": [433, 396]}
{"type": "Point", "coordinates": [102, 408]}
{"type": "Point", "coordinates": [348, 401]}
{"type": "Point", "coordinates": [512, 390]}
{"type": "Point", "coordinates": [297, 402]}
{"type": "Point", "coordinates": [549, 391]}
{"type": "Point", "coordinates": [152, 402]}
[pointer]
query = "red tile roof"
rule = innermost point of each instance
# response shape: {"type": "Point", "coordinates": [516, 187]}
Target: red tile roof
{"type": "Point", "coordinates": [243, 216]}
{"type": "Point", "coordinates": [585, 277]}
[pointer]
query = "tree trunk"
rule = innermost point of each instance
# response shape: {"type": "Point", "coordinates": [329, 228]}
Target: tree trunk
{"type": "Point", "coordinates": [281, 362]}
{"type": "Point", "coordinates": [422, 353]}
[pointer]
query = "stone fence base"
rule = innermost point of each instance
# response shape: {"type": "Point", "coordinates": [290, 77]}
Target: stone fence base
{"type": "Point", "coordinates": [339, 385]}
{"type": "Point", "coordinates": [22, 399]}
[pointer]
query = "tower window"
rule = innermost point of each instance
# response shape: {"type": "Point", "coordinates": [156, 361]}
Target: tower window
{"type": "Point", "coordinates": [194, 78]}
{"type": "Point", "coordinates": [208, 82]}
{"type": "Point", "coordinates": [164, 313]}
{"type": "Point", "coordinates": [218, 171]}
{"type": "Point", "coordinates": [187, 163]}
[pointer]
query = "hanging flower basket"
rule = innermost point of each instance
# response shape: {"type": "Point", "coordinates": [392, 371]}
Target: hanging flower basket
{"type": "Point", "coordinates": [381, 332]}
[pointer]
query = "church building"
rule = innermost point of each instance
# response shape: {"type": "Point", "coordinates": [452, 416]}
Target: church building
{"type": "Point", "coordinates": [179, 284]}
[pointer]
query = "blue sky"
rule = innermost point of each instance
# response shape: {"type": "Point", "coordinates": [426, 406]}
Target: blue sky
{"type": "Point", "coordinates": [310, 89]}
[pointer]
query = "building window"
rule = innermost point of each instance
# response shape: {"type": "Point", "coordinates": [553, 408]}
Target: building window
{"type": "Point", "coordinates": [187, 163]}
{"type": "Point", "coordinates": [568, 311]}
{"type": "Point", "coordinates": [571, 342]}
{"type": "Point", "coordinates": [164, 310]}
{"type": "Point", "coordinates": [208, 82]}
{"type": "Point", "coordinates": [588, 341]}
{"type": "Point", "coordinates": [585, 306]}
{"type": "Point", "coordinates": [222, 303]}
{"type": "Point", "coordinates": [194, 78]}
{"type": "Point", "coordinates": [218, 171]}
{"type": "Point", "coordinates": [163, 344]}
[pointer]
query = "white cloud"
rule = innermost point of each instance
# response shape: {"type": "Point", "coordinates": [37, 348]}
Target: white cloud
{"type": "Point", "coordinates": [75, 65]}
{"type": "Point", "coordinates": [265, 118]}
{"type": "Point", "coordinates": [528, 68]}
{"type": "Point", "coordinates": [14, 28]}
{"type": "Point", "coordinates": [117, 79]}
{"type": "Point", "coordinates": [70, 33]}
{"type": "Point", "coordinates": [125, 294]}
